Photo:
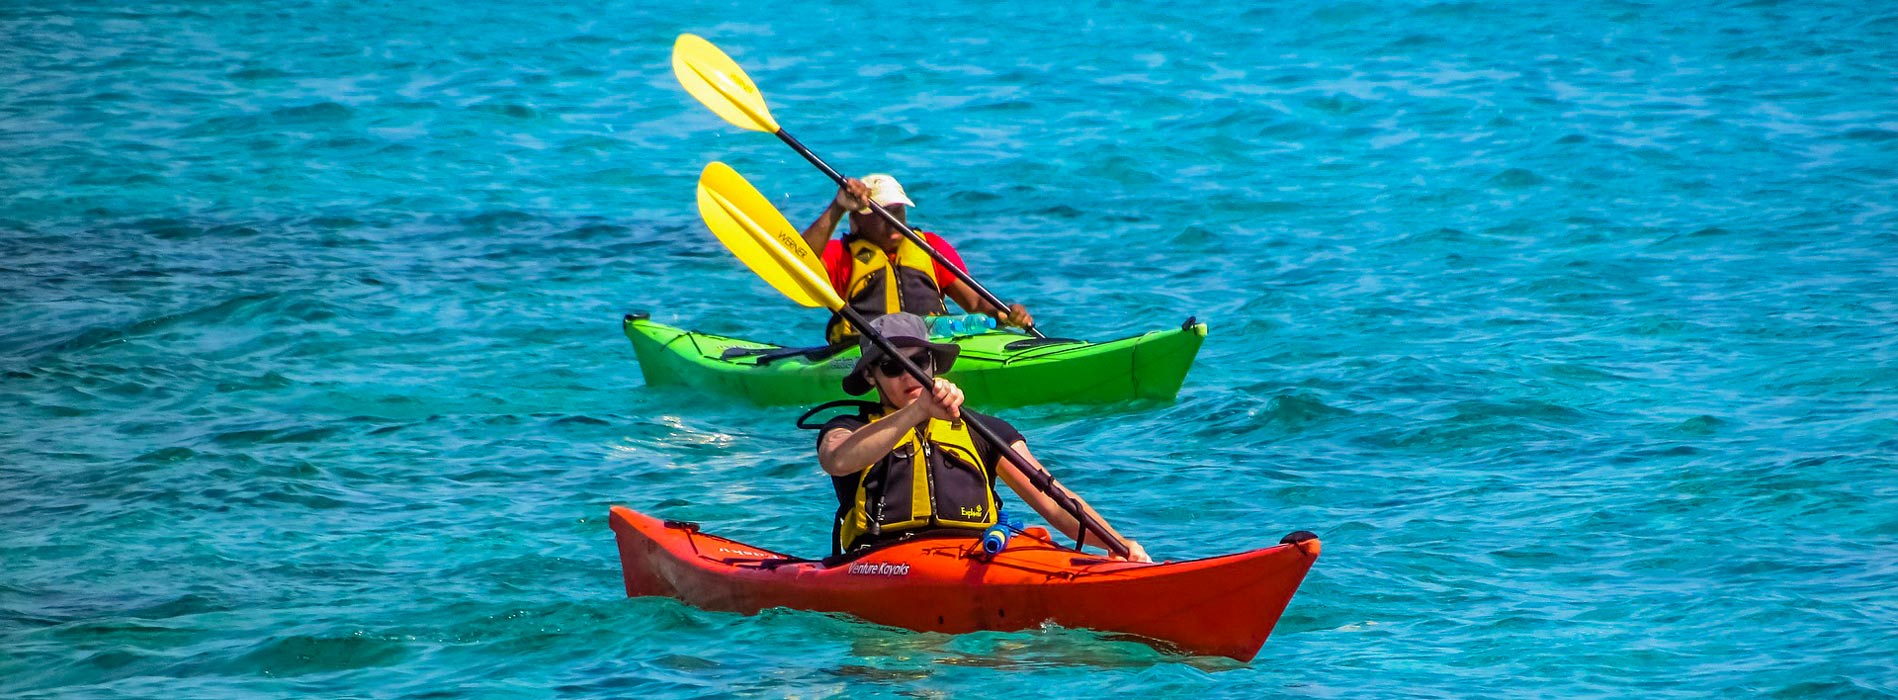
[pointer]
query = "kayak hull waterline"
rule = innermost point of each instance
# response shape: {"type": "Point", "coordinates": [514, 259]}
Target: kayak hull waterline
{"type": "Point", "coordinates": [995, 369]}
{"type": "Point", "coordinates": [1222, 606]}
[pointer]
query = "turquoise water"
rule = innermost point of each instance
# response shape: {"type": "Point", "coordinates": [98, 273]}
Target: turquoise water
{"type": "Point", "coordinates": [1568, 326]}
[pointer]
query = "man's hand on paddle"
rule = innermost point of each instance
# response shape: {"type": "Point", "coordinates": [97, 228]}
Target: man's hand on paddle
{"type": "Point", "coordinates": [1016, 316]}
{"type": "Point", "coordinates": [853, 195]}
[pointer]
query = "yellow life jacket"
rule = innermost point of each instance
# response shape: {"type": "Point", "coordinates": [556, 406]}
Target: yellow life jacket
{"type": "Point", "coordinates": [870, 290]}
{"type": "Point", "coordinates": [937, 481]}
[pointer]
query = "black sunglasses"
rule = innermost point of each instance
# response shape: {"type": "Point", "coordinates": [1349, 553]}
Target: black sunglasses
{"type": "Point", "coordinates": [893, 367]}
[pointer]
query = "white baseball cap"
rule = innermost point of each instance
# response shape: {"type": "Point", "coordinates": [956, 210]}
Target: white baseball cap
{"type": "Point", "coordinates": [886, 190]}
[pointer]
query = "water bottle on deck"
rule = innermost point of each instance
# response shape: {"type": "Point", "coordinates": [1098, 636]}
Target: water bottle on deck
{"type": "Point", "coordinates": [952, 326]}
{"type": "Point", "coordinates": [995, 539]}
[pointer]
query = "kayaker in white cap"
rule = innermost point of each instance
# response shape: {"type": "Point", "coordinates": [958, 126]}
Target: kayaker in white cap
{"type": "Point", "coordinates": [862, 262]}
{"type": "Point", "coordinates": [908, 464]}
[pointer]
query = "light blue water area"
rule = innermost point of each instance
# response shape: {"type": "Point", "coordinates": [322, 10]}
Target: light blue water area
{"type": "Point", "coordinates": [1568, 326]}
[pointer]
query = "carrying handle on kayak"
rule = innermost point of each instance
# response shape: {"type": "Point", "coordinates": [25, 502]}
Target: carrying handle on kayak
{"type": "Point", "coordinates": [827, 405]}
{"type": "Point", "coordinates": [717, 82]}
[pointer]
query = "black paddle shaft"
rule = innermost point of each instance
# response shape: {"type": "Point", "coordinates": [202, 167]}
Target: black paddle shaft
{"type": "Point", "coordinates": [907, 231]}
{"type": "Point", "coordinates": [1036, 475]}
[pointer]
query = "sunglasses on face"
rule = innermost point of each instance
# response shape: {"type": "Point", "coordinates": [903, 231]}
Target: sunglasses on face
{"type": "Point", "coordinates": [893, 367]}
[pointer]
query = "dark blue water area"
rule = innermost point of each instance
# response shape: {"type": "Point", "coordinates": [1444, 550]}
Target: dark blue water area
{"type": "Point", "coordinates": [1568, 326]}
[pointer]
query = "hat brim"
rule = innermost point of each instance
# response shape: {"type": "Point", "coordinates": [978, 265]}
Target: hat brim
{"type": "Point", "coordinates": [857, 382]}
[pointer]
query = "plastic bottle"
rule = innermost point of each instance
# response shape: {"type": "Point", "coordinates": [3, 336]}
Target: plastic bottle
{"type": "Point", "coordinates": [994, 539]}
{"type": "Point", "coordinates": [966, 324]}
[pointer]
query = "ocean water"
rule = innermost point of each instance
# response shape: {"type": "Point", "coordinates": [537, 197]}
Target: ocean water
{"type": "Point", "coordinates": [1568, 326]}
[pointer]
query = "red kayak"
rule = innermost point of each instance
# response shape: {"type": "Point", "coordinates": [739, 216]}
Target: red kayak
{"type": "Point", "coordinates": [1222, 606]}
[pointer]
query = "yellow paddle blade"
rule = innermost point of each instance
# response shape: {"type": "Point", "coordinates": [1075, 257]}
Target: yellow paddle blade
{"type": "Point", "coordinates": [762, 239]}
{"type": "Point", "coordinates": [716, 80]}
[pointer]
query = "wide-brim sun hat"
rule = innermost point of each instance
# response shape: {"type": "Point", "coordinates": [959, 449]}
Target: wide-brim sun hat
{"type": "Point", "coordinates": [903, 330]}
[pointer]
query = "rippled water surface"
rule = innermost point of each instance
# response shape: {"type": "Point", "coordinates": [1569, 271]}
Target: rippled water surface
{"type": "Point", "coordinates": [1568, 326]}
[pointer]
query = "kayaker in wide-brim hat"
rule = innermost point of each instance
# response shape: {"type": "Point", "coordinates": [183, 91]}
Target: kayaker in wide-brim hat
{"type": "Point", "coordinates": [909, 464]}
{"type": "Point", "coordinates": [903, 330]}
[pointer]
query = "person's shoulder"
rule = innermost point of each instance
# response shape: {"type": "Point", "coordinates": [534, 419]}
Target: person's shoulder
{"type": "Point", "coordinates": [943, 275]}
{"type": "Point", "coordinates": [1002, 428]}
{"type": "Point", "coordinates": [834, 256]}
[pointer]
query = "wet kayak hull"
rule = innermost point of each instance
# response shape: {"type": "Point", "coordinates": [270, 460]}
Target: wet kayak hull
{"type": "Point", "coordinates": [1222, 606]}
{"type": "Point", "coordinates": [995, 369]}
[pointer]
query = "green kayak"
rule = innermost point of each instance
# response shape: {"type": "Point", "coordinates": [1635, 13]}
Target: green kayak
{"type": "Point", "coordinates": [995, 370]}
